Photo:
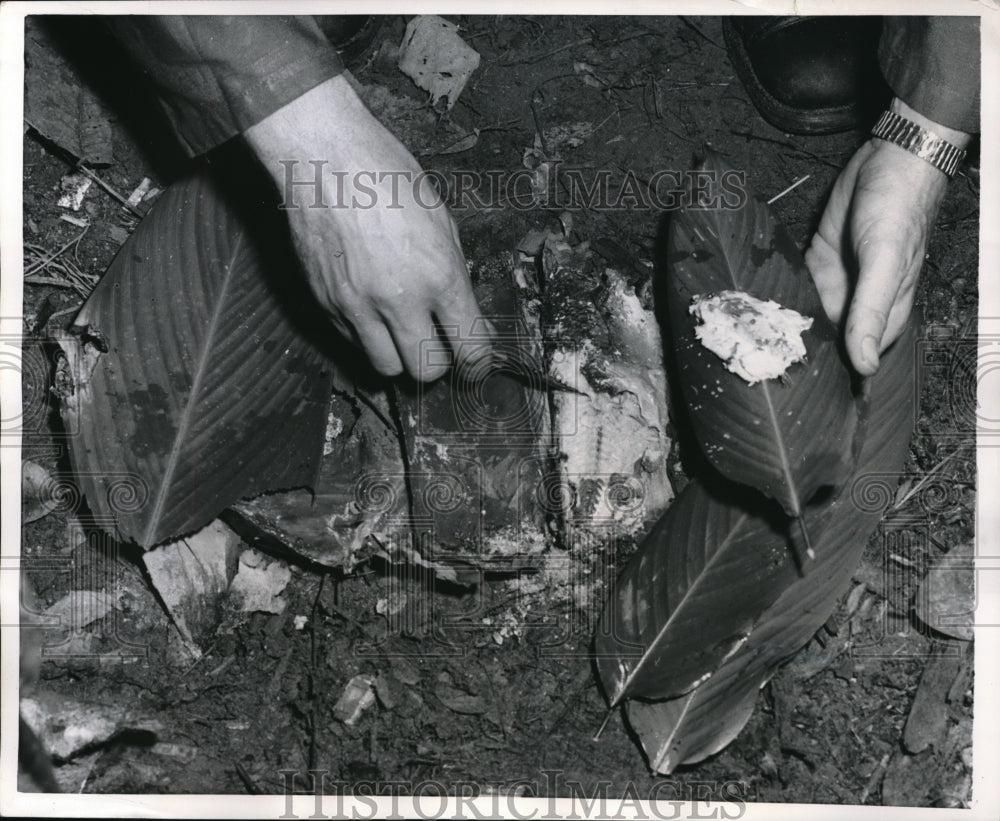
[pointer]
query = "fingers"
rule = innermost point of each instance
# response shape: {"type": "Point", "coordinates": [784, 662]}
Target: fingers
{"type": "Point", "coordinates": [830, 277]}
{"type": "Point", "coordinates": [875, 228]}
{"type": "Point", "coordinates": [416, 336]}
{"type": "Point", "coordinates": [395, 346]}
{"type": "Point", "coordinates": [387, 274]}
{"type": "Point", "coordinates": [468, 333]}
{"type": "Point", "coordinates": [373, 337]}
{"type": "Point", "coordinates": [827, 251]}
{"type": "Point", "coordinates": [377, 342]}
{"type": "Point", "coordinates": [414, 340]}
{"type": "Point", "coordinates": [406, 337]}
{"type": "Point", "coordinates": [882, 274]}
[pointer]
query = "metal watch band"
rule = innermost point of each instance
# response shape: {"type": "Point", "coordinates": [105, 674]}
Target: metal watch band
{"type": "Point", "coordinates": [919, 141]}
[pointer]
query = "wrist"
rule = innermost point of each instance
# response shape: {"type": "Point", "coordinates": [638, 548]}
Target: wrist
{"type": "Point", "coordinates": [904, 129]}
{"type": "Point", "coordinates": [960, 139]}
{"type": "Point", "coordinates": [329, 122]}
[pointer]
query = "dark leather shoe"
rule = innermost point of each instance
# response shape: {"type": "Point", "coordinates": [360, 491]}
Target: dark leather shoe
{"type": "Point", "coordinates": [809, 75]}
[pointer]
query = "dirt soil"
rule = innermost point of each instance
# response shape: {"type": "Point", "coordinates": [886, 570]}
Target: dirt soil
{"type": "Point", "coordinates": [461, 697]}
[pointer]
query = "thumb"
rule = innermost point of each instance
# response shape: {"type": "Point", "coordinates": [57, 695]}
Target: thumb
{"type": "Point", "coordinates": [880, 276]}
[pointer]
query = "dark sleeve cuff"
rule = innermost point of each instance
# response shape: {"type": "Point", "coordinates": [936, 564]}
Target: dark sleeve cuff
{"type": "Point", "coordinates": [219, 75]}
{"type": "Point", "coordinates": [932, 64]}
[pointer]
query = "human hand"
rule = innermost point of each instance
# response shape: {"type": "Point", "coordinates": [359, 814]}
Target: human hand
{"type": "Point", "coordinates": [867, 253]}
{"type": "Point", "coordinates": [381, 252]}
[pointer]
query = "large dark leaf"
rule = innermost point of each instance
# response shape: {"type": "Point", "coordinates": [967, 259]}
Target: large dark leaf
{"type": "Point", "coordinates": [691, 594]}
{"type": "Point", "coordinates": [195, 387]}
{"type": "Point", "coordinates": [789, 437]}
{"type": "Point", "coordinates": [700, 723]}
{"type": "Point", "coordinates": [57, 104]}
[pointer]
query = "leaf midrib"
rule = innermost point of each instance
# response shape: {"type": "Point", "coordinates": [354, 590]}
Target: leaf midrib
{"type": "Point", "coordinates": [706, 568]}
{"type": "Point", "coordinates": [785, 463]}
{"type": "Point", "coordinates": [188, 413]}
{"type": "Point", "coordinates": [786, 471]}
{"type": "Point", "coordinates": [663, 754]}
{"type": "Point", "coordinates": [786, 466]}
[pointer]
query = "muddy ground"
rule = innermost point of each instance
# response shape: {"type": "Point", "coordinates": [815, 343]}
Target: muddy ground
{"type": "Point", "coordinates": [827, 729]}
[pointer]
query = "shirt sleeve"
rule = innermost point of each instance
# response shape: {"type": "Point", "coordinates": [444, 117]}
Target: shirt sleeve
{"type": "Point", "coordinates": [933, 65]}
{"type": "Point", "coordinates": [218, 75]}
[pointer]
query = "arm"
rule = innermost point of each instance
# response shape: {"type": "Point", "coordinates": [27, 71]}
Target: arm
{"type": "Point", "coordinates": [217, 75]}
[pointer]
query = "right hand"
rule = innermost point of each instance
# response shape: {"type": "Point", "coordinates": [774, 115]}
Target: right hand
{"type": "Point", "coordinates": [391, 275]}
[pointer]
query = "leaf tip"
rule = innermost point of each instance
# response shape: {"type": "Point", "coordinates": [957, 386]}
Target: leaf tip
{"type": "Point", "coordinates": [665, 764]}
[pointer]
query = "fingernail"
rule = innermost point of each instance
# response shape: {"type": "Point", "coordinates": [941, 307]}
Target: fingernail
{"type": "Point", "coordinates": [869, 351]}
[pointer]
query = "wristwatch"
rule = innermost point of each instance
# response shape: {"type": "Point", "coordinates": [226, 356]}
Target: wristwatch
{"type": "Point", "coordinates": [919, 141]}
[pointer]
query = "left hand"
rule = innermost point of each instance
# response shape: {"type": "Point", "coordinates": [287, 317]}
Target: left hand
{"type": "Point", "coordinates": [874, 232]}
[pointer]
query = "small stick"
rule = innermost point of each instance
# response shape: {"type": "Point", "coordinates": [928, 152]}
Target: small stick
{"type": "Point", "coordinates": [794, 185]}
{"type": "Point", "coordinates": [927, 477]}
{"type": "Point", "coordinates": [805, 537]}
{"type": "Point", "coordinates": [687, 22]}
{"type": "Point", "coordinates": [79, 166]}
{"type": "Point", "coordinates": [314, 695]}
{"type": "Point", "coordinates": [247, 779]}
{"type": "Point", "coordinates": [607, 718]}
{"type": "Point", "coordinates": [56, 283]}
{"type": "Point", "coordinates": [200, 658]}
{"type": "Point", "coordinates": [42, 263]}
{"type": "Point", "coordinates": [123, 200]}
{"type": "Point", "coordinates": [877, 774]}
{"type": "Point", "coordinates": [751, 136]}
{"type": "Point", "coordinates": [538, 57]}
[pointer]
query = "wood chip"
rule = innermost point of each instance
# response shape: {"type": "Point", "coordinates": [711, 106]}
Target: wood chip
{"type": "Point", "coordinates": [357, 697]}
{"type": "Point", "coordinates": [459, 701]}
{"type": "Point", "coordinates": [946, 599]}
{"type": "Point", "coordinates": [927, 723]}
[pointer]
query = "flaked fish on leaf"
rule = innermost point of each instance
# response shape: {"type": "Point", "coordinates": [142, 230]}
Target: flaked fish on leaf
{"type": "Point", "coordinates": [701, 722]}
{"type": "Point", "coordinates": [789, 432]}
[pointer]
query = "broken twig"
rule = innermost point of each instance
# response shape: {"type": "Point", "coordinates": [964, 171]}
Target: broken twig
{"type": "Point", "coordinates": [123, 200]}
{"type": "Point", "coordinates": [791, 187]}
